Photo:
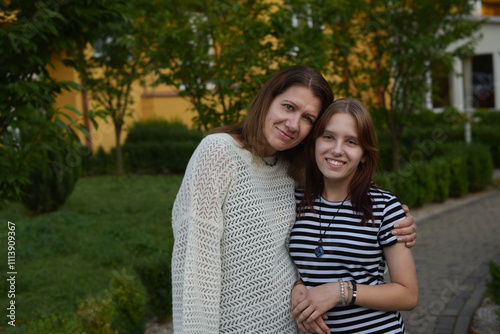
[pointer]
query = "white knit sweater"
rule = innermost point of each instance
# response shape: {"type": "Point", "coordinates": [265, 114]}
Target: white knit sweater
{"type": "Point", "coordinates": [231, 270]}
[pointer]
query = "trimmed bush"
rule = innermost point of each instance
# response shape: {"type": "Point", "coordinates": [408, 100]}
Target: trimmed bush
{"type": "Point", "coordinates": [52, 182]}
{"type": "Point", "coordinates": [442, 179]}
{"type": "Point", "coordinates": [156, 147]}
{"type": "Point", "coordinates": [479, 167]}
{"type": "Point", "coordinates": [493, 286]}
{"type": "Point", "coordinates": [488, 135]}
{"type": "Point", "coordinates": [127, 294]}
{"type": "Point", "coordinates": [101, 163]}
{"type": "Point", "coordinates": [159, 130]}
{"type": "Point", "coordinates": [456, 170]}
{"type": "Point", "coordinates": [96, 314]}
{"type": "Point", "coordinates": [155, 274]}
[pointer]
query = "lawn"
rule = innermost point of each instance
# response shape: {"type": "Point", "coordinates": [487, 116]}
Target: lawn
{"type": "Point", "coordinates": [108, 224]}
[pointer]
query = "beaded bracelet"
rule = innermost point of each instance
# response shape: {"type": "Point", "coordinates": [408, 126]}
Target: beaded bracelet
{"type": "Point", "coordinates": [342, 291]}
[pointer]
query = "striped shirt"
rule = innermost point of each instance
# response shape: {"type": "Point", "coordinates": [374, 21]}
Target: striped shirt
{"type": "Point", "coordinates": [352, 252]}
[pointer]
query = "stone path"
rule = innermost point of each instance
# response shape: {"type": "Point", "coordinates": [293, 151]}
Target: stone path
{"type": "Point", "coordinates": [452, 254]}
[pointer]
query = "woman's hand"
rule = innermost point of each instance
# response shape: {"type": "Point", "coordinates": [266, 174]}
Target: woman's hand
{"type": "Point", "coordinates": [299, 295]}
{"type": "Point", "coordinates": [406, 229]}
{"type": "Point", "coordinates": [309, 309]}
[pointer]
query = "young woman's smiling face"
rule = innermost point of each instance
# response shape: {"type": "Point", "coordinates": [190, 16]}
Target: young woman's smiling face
{"type": "Point", "coordinates": [290, 118]}
{"type": "Point", "coordinates": [337, 151]}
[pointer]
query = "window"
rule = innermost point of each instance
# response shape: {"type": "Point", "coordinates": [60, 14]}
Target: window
{"type": "Point", "coordinates": [483, 89]}
{"type": "Point", "coordinates": [440, 85]}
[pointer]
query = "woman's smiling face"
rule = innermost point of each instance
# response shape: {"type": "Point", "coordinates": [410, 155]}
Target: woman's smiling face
{"type": "Point", "coordinates": [337, 151]}
{"type": "Point", "coordinates": [290, 118]}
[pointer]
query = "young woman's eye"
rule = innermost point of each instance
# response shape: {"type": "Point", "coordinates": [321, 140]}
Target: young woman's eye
{"type": "Point", "coordinates": [351, 142]}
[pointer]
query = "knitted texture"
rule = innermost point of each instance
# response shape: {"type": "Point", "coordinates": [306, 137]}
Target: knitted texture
{"type": "Point", "coordinates": [231, 270]}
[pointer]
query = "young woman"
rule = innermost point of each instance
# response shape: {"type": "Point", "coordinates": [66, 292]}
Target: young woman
{"type": "Point", "coordinates": [231, 270]}
{"type": "Point", "coordinates": [342, 238]}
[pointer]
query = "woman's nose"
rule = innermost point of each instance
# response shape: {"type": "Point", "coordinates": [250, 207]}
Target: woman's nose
{"type": "Point", "coordinates": [337, 149]}
{"type": "Point", "coordinates": [293, 122]}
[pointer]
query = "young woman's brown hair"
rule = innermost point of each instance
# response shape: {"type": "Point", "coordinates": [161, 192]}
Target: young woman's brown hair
{"type": "Point", "coordinates": [362, 179]}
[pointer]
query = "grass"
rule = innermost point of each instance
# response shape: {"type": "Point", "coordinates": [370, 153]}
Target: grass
{"type": "Point", "coordinates": [108, 224]}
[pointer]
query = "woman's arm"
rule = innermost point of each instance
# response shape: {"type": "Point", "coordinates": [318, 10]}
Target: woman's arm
{"type": "Point", "coordinates": [197, 222]}
{"type": "Point", "coordinates": [406, 229]}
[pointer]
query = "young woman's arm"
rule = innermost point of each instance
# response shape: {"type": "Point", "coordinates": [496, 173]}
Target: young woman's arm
{"type": "Point", "coordinates": [400, 294]}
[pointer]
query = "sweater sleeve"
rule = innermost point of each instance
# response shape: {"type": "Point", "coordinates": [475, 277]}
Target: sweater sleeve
{"type": "Point", "coordinates": [197, 222]}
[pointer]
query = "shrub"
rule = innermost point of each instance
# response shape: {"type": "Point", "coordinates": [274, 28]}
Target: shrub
{"type": "Point", "coordinates": [155, 274]}
{"type": "Point", "coordinates": [455, 170]}
{"type": "Point", "coordinates": [52, 182]}
{"type": "Point", "coordinates": [458, 172]}
{"type": "Point", "coordinates": [129, 302]}
{"type": "Point", "coordinates": [160, 130]}
{"type": "Point", "coordinates": [96, 314]}
{"type": "Point", "coordinates": [402, 184]}
{"type": "Point", "coordinates": [56, 324]}
{"type": "Point", "coordinates": [442, 179]}
{"type": "Point", "coordinates": [100, 163]}
{"type": "Point", "coordinates": [493, 286]}
{"type": "Point", "coordinates": [119, 309]}
{"type": "Point", "coordinates": [489, 135]}
{"type": "Point", "coordinates": [160, 147]}
{"type": "Point", "coordinates": [479, 167]}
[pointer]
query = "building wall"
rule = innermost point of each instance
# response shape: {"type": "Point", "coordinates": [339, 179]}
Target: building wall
{"type": "Point", "coordinates": [162, 102]}
{"type": "Point", "coordinates": [461, 82]}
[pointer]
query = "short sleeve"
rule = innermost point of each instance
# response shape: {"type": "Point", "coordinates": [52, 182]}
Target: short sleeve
{"type": "Point", "coordinates": [393, 212]}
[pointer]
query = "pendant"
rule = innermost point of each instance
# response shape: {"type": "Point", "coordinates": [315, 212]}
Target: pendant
{"type": "Point", "coordinates": [319, 251]}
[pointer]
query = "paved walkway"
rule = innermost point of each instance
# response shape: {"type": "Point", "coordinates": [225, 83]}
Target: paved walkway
{"type": "Point", "coordinates": [456, 241]}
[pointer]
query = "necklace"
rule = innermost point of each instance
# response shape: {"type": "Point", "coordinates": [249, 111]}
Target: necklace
{"type": "Point", "coordinates": [319, 251]}
{"type": "Point", "coordinates": [271, 164]}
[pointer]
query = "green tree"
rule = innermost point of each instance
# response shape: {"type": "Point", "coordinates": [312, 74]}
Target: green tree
{"type": "Point", "coordinates": [216, 53]}
{"type": "Point", "coordinates": [401, 40]}
{"type": "Point", "coordinates": [31, 32]}
{"type": "Point", "coordinates": [117, 62]}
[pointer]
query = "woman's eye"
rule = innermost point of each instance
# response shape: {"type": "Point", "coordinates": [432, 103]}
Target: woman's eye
{"type": "Point", "coordinates": [309, 119]}
{"type": "Point", "coordinates": [288, 107]}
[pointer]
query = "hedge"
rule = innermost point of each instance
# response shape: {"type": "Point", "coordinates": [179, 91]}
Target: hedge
{"type": "Point", "coordinates": [456, 170]}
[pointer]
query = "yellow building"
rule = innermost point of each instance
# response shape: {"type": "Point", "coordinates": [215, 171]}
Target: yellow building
{"type": "Point", "coordinates": [149, 103]}
{"type": "Point", "coordinates": [164, 102]}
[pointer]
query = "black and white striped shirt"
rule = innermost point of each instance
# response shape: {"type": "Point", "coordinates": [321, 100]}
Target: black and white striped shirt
{"type": "Point", "coordinates": [352, 252]}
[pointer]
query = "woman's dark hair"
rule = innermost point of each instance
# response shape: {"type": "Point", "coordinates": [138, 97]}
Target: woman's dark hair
{"type": "Point", "coordinates": [251, 129]}
{"type": "Point", "coordinates": [362, 180]}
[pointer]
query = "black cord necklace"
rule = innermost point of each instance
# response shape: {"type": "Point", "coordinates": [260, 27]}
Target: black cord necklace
{"type": "Point", "coordinates": [271, 164]}
{"type": "Point", "coordinates": [319, 251]}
